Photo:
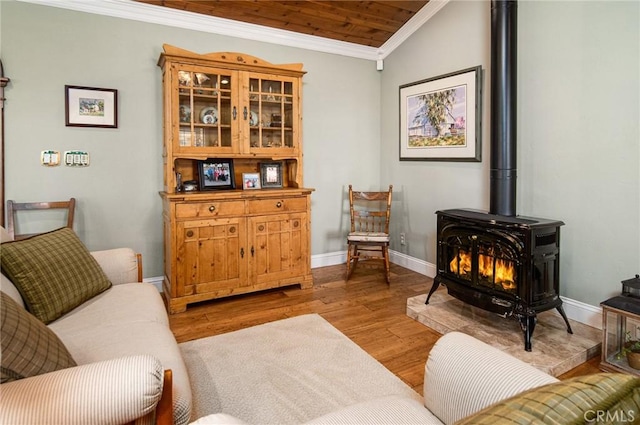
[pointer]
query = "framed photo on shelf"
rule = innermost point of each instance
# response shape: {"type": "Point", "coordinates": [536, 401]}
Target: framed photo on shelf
{"type": "Point", "coordinates": [440, 117]}
{"type": "Point", "coordinates": [251, 181]}
{"type": "Point", "coordinates": [216, 174]}
{"type": "Point", "coordinates": [90, 107]}
{"type": "Point", "coordinates": [271, 174]}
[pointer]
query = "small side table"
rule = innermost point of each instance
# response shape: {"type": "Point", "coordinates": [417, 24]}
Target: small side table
{"type": "Point", "coordinates": [620, 321]}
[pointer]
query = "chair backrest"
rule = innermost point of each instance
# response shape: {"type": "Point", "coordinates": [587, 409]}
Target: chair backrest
{"type": "Point", "coordinates": [14, 207]}
{"type": "Point", "coordinates": [370, 211]}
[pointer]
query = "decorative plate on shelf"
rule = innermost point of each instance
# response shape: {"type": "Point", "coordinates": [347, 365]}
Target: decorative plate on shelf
{"type": "Point", "coordinates": [253, 119]}
{"type": "Point", "coordinates": [209, 115]}
{"type": "Point", "coordinates": [185, 113]}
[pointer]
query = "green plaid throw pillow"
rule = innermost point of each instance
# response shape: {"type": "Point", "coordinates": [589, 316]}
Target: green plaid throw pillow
{"type": "Point", "coordinates": [54, 272]}
{"type": "Point", "coordinates": [607, 398]}
{"type": "Point", "coordinates": [28, 347]}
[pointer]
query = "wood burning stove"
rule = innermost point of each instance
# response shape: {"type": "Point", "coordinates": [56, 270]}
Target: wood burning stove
{"type": "Point", "coordinates": [496, 260]}
{"type": "Point", "coordinates": [506, 265]}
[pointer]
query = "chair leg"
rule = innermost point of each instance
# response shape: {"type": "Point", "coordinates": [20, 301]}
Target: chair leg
{"type": "Point", "coordinates": [348, 261]}
{"type": "Point", "coordinates": [385, 254]}
{"type": "Point", "coordinates": [352, 258]}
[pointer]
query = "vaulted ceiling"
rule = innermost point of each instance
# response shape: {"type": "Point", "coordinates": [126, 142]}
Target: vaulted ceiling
{"type": "Point", "coordinates": [368, 23]}
{"type": "Point", "coordinates": [361, 29]}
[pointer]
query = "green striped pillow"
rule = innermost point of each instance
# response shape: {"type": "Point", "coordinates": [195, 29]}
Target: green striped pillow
{"type": "Point", "coordinates": [54, 272]}
{"type": "Point", "coordinates": [607, 398]}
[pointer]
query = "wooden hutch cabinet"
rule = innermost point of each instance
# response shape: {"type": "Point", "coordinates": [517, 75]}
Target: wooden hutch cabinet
{"type": "Point", "coordinates": [217, 243]}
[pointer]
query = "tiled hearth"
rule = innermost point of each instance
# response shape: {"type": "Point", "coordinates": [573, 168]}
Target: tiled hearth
{"type": "Point", "coordinates": [554, 350]}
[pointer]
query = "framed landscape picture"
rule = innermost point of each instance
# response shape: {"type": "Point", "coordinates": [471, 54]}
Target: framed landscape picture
{"type": "Point", "coordinates": [440, 118]}
{"type": "Point", "coordinates": [90, 107]}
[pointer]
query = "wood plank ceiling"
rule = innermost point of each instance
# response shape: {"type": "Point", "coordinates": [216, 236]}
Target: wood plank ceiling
{"type": "Point", "coordinates": [367, 23]}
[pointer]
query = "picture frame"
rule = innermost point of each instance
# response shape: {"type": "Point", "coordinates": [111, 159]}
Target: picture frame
{"type": "Point", "coordinates": [271, 174]}
{"type": "Point", "coordinates": [216, 174]}
{"type": "Point", "coordinates": [448, 131]}
{"type": "Point", "coordinates": [251, 181]}
{"type": "Point", "coordinates": [90, 107]}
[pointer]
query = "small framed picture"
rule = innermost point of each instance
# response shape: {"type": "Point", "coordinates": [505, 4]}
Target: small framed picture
{"type": "Point", "coordinates": [216, 174]}
{"type": "Point", "coordinates": [251, 181]}
{"type": "Point", "coordinates": [90, 107]}
{"type": "Point", "coordinates": [271, 174]}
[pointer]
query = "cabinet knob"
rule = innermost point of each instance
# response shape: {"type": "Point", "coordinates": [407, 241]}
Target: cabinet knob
{"type": "Point", "coordinates": [245, 113]}
{"type": "Point", "coordinates": [234, 113]}
{"type": "Point", "coordinates": [189, 233]}
{"type": "Point", "coordinates": [212, 208]}
{"type": "Point", "coordinates": [279, 204]}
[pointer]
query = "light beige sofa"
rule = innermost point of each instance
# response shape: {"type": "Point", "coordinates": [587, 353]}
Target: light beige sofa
{"type": "Point", "coordinates": [122, 343]}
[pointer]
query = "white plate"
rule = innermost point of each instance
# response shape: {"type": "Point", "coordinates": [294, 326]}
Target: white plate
{"type": "Point", "coordinates": [253, 119]}
{"type": "Point", "coordinates": [209, 115]}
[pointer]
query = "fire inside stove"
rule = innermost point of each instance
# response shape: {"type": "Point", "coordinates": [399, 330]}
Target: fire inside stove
{"type": "Point", "coordinates": [492, 271]}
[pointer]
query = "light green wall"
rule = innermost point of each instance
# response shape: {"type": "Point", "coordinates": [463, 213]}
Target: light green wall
{"type": "Point", "coordinates": [578, 136]}
{"type": "Point", "coordinates": [44, 48]}
{"type": "Point", "coordinates": [449, 41]}
{"type": "Point", "coordinates": [578, 117]}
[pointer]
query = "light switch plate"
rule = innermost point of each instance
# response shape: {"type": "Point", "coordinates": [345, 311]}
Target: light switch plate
{"type": "Point", "coordinates": [76, 159]}
{"type": "Point", "coordinates": [50, 158]}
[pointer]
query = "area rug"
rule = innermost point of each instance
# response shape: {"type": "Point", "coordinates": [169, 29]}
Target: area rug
{"type": "Point", "coordinates": [554, 351]}
{"type": "Point", "coordinates": [284, 372]}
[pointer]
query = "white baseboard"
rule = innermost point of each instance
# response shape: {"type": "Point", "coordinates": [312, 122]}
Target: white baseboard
{"type": "Point", "coordinates": [575, 310]}
{"type": "Point", "coordinates": [583, 313]}
{"type": "Point", "coordinates": [328, 259]}
{"type": "Point", "coordinates": [156, 281]}
{"type": "Point", "coordinates": [412, 263]}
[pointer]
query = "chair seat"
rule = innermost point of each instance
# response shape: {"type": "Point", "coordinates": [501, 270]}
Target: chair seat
{"type": "Point", "coordinates": [367, 237]}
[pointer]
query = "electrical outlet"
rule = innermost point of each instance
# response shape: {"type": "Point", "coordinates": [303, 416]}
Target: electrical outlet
{"type": "Point", "coordinates": [403, 240]}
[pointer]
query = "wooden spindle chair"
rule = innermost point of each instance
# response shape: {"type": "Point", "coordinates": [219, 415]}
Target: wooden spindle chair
{"type": "Point", "coordinates": [370, 213]}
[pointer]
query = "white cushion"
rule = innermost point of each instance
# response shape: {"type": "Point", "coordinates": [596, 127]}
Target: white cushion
{"type": "Point", "coordinates": [121, 304]}
{"type": "Point", "coordinates": [102, 393]}
{"type": "Point", "coordinates": [368, 237]}
{"type": "Point", "coordinates": [463, 375]}
{"type": "Point", "coordinates": [119, 264]}
{"type": "Point", "coordinates": [219, 419]}
{"type": "Point", "coordinates": [385, 410]}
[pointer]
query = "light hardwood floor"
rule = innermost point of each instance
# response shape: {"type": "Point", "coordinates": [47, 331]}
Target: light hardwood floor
{"type": "Point", "coordinates": [366, 309]}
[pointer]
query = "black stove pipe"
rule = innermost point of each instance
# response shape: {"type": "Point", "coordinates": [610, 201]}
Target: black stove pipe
{"type": "Point", "coordinates": [504, 31]}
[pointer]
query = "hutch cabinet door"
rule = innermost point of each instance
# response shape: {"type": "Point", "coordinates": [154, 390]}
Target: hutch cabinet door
{"type": "Point", "coordinates": [210, 255]}
{"type": "Point", "coordinates": [279, 246]}
{"type": "Point", "coordinates": [204, 109]}
{"type": "Point", "coordinates": [274, 114]}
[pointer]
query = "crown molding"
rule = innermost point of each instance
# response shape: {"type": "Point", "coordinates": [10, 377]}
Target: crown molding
{"type": "Point", "coordinates": [128, 9]}
{"type": "Point", "coordinates": [411, 26]}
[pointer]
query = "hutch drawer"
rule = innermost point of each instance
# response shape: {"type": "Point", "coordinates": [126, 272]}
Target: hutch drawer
{"type": "Point", "coordinates": [209, 209]}
{"type": "Point", "coordinates": [277, 205]}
